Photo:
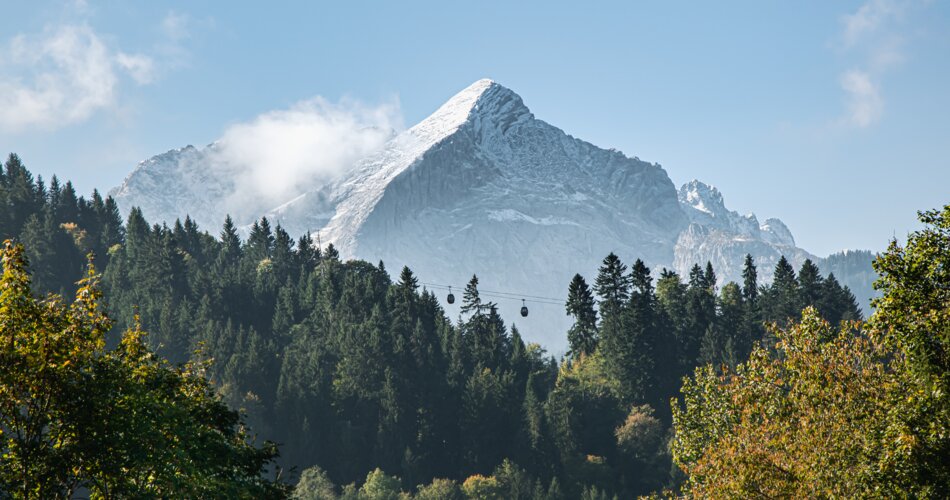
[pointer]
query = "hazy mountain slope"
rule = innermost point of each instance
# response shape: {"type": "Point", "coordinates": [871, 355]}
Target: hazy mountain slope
{"type": "Point", "coordinates": [853, 268]}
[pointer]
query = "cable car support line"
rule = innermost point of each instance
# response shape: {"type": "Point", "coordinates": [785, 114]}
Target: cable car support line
{"type": "Point", "coordinates": [524, 298]}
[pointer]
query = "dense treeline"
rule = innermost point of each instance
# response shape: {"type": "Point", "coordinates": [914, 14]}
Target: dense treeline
{"type": "Point", "coordinates": [355, 372]}
{"type": "Point", "coordinates": [57, 227]}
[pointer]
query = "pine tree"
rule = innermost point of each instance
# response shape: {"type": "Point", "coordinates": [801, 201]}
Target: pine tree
{"type": "Point", "coordinates": [285, 312]}
{"type": "Point", "coordinates": [783, 298]}
{"type": "Point", "coordinates": [672, 299]}
{"type": "Point", "coordinates": [700, 313]}
{"type": "Point", "coordinates": [68, 208]}
{"type": "Point", "coordinates": [837, 303]}
{"type": "Point", "coordinates": [709, 277]}
{"type": "Point", "coordinates": [582, 337]}
{"type": "Point", "coordinates": [260, 242]}
{"type": "Point", "coordinates": [612, 286]}
{"type": "Point", "coordinates": [230, 242]}
{"type": "Point", "coordinates": [750, 284]}
{"type": "Point", "coordinates": [628, 351]}
{"type": "Point", "coordinates": [331, 253]}
{"type": "Point", "coordinates": [308, 256]}
{"type": "Point", "coordinates": [751, 330]}
{"type": "Point", "coordinates": [283, 254]}
{"type": "Point", "coordinates": [23, 199]}
{"type": "Point", "coordinates": [809, 284]}
{"type": "Point", "coordinates": [54, 196]}
{"type": "Point", "coordinates": [729, 326]}
{"type": "Point", "coordinates": [471, 302]}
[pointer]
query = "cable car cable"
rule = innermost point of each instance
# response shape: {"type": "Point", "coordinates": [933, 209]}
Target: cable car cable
{"type": "Point", "coordinates": [495, 292]}
{"type": "Point", "coordinates": [536, 299]}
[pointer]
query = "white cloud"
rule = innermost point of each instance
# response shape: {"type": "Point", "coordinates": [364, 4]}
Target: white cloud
{"type": "Point", "coordinates": [275, 155]}
{"type": "Point", "coordinates": [68, 72]}
{"type": "Point", "coordinates": [868, 19]}
{"type": "Point", "coordinates": [886, 54]}
{"type": "Point", "coordinates": [175, 26]}
{"type": "Point", "coordinates": [68, 76]}
{"type": "Point", "coordinates": [80, 5]}
{"type": "Point", "coordinates": [140, 67]}
{"type": "Point", "coordinates": [871, 33]}
{"type": "Point", "coordinates": [865, 105]}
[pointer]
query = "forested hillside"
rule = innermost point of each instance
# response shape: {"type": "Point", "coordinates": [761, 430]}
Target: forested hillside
{"type": "Point", "coordinates": [359, 375]}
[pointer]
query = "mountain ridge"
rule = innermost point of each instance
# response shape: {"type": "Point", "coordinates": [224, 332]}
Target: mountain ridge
{"type": "Point", "coordinates": [483, 186]}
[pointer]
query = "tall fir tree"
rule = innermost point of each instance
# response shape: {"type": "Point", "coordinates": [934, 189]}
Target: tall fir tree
{"type": "Point", "coordinates": [582, 337]}
{"type": "Point", "coordinates": [751, 330]}
{"type": "Point", "coordinates": [628, 351]}
{"type": "Point", "coordinates": [809, 284]}
{"type": "Point", "coordinates": [783, 299]}
{"type": "Point", "coordinates": [471, 301]}
{"type": "Point", "coordinates": [701, 314]}
{"type": "Point", "coordinates": [612, 286]}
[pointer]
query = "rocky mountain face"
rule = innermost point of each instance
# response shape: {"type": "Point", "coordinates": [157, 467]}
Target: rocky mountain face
{"type": "Point", "coordinates": [724, 237]}
{"type": "Point", "coordinates": [176, 183]}
{"type": "Point", "coordinates": [482, 186]}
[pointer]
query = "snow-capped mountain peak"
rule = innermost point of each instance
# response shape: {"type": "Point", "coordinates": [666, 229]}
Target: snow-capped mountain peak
{"type": "Point", "coordinates": [484, 101]}
{"type": "Point", "coordinates": [724, 237]}
{"type": "Point", "coordinates": [482, 186]}
{"type": "Point", "coordinates": [179, 182]}
{"type": "Point", "coordinates": [704, 205]}
{"type": "Point", "coordinates": [702, 197]}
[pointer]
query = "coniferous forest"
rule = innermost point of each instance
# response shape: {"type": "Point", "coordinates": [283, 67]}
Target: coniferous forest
{"type": "Point", "coordinates": [311, 376]}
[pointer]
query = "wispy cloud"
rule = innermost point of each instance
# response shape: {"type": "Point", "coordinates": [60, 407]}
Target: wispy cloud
{"type": "Point", "coordinates": [864, 99]}
{"type": "Point", "coordinates": [176, 26]}
{"type": "Point", "coordinates": [868, 19]}
{"type": "Point", "coordinates": [140, 67]}
{"type": "Point", "coordinates": [275, 155]}
{"type": "Point", "coordinates": [872, 35]}
{"type": "Point", "coordinates": [176, 29]}
{"type": "Point", "coordinates": [68, 72]}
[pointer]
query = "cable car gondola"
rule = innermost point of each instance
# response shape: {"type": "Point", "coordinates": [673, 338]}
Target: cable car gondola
{"type": "Point", "coordinates": [451, 298]}
{"type": "Point", "coordinates": [524, 309]}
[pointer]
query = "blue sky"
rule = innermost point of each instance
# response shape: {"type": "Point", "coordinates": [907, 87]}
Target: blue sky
{"type": "Point", "coordinates": [833, 116]}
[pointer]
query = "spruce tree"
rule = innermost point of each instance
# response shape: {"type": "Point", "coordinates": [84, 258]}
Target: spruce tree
{"type": "Point", "coordinates": [307, 254]}
{"type": "Point", "coordinates": [628, 351]}
{"type": "Point", "coordinates": [68, 208]}
{"type": "Point", "coordinates": [729, 325]}
{"type": "Point", "coordinates": [283, 254]}
{"type": "Point", "coordinates": [750, 277]}
{"type": "Point", "coordinates": [582, 336]}
{"type": "Point", "coordinates": [783, 297]}
{"type": "Point", "coordinates": [709, 277]}
{"type": "Point", "coordinates": [230, 242]}
{"type": "Point", "coordinates": [809, 284]}
{"type": "Point", "coordinates": [22, 196]}
{"type": "Point", "coordinates": [700, 312]}
{"type": "Point", "coordinates": [471, 302]}
{"type": "Point", "coordinates": [260, 242]}
{"type": "Point", "coordinates": [751, 330]}
{"type": "Point", "coordinates": [672, 299]}
{"type": "Point", "coordinates": [837, 303]}
{"type": "Point", "coordinates": [612, 286]}
{"type": "Point", "coordinates": [331, 253]}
